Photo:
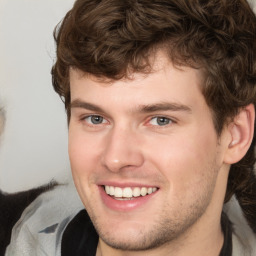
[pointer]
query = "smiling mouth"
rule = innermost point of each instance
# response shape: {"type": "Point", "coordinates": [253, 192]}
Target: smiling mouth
{"type": "Point", "coordinates": [128, 193]}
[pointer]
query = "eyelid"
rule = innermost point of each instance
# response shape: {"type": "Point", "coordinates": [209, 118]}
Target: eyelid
{"type": "Point", "coordinates": [84, 117]}
{"type": "Point", "coordinates": [172, 120]}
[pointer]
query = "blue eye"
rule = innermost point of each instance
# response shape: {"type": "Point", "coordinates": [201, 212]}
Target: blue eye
{"type": "Point", "coordinates": [160, 121]}
{"type": "Point", "coordinates": [94, 119]}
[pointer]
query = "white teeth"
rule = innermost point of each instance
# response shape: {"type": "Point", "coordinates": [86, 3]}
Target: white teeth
{"type": "Point", "coordinates": [150, 191]}
{"type": "Point", "coordinates": [107, 190]}
{"type": "Point", "coordinates": [136, 192]}
{"type": "Point", "coordinates": [111, 190]}
{"type": "Point", "coordinates": [118, 192]}
{"type": "Point", "coordinates": [129, 192]}
{"type": "Point", "coordinates": [143, 191]}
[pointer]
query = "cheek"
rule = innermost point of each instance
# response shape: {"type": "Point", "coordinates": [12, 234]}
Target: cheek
{"type": "Point", "coordinates": [83, 160]}
{"type": "Point", "coordinates": [82, 153]}
{"type": "Point", "coordinates": [185, 161]}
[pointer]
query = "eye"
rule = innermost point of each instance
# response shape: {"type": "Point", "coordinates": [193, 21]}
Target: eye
{"type": "Point", "coordinates": [160, 121]}
{"type": "Point", "coordinates": [94, 119]}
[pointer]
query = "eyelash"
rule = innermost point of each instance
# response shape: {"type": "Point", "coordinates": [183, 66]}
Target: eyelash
{"type": "Point", "coordinates": [90, 123]}
{"type": "Point", "coordinates": [168, 121]}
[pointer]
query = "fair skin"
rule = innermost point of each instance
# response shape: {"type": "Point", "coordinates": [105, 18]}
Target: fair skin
{"type": "Point", "coordinates": [153, 134]}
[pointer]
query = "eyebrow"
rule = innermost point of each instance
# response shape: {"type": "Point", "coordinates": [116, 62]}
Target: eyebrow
{"type": "Point", "coordinates": [164, 106]}
{"type": "Point", "coordinates": [82, 104]}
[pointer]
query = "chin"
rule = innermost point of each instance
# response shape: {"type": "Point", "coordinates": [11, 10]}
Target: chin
{"type": "Point", "coordinates": [136, 241]}
{"type": "Point", "coordinates": [134, 236]}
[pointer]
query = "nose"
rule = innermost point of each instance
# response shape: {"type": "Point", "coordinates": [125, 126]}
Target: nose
{"type": "Point", "coordinates": [122, 150]}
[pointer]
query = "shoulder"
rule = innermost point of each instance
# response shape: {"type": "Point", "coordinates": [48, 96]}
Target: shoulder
{"type": "Point", "coordinates": [39, 230]}
{"type": "Point", "coordinates": [244, 239]}
{"type": "Point", "coordinates": [12, 206]}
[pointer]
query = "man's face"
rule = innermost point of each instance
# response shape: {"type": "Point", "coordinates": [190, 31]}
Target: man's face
{"type": "Point", "coordinates": [144, 155]}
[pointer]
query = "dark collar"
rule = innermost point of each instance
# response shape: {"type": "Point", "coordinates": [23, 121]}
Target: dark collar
{"type": "Point", "coordinates": [227, 230]}
{"type": "Point", "coordinates": [79, 237]}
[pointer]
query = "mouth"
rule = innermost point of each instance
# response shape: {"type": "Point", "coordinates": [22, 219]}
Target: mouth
{"type": "Point", "coordinates": [128, 193]}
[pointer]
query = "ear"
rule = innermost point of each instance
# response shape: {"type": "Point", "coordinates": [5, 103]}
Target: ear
{"type": "Point", "coordinates": [241, 131]}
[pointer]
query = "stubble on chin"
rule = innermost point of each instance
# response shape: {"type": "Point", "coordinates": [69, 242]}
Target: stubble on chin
{"type": "Point", "coordinates": [167, 227]}
{"type": "Point", "coordinates": [164, 231]}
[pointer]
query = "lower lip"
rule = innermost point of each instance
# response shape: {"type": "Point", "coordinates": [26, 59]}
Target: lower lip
{"type": "Point", "coordinates": [124, 205]}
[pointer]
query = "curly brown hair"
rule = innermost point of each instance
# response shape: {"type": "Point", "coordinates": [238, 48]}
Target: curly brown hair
{"type": "Point", "coordinates": [111, 38]}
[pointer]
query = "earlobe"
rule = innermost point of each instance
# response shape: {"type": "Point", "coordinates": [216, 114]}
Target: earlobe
{"type": "Point", "coordinates": [241, 130]}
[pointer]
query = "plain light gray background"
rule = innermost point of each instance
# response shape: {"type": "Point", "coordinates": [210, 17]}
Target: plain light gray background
{"type": "Point", "coordinates": [33, 148]}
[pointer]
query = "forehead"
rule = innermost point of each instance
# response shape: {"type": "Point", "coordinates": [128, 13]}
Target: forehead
{"type": "Point", "coordinates": [165, 82]}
